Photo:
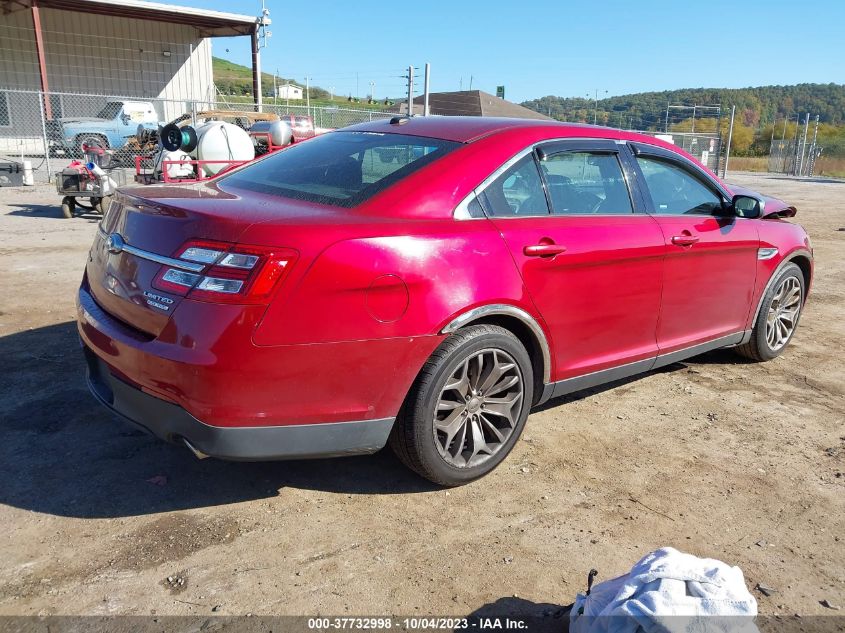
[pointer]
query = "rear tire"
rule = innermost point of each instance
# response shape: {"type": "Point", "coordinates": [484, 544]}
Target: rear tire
{"type": "Point", "coordinates": [90, 139]}
{"type": "Point", "coordinates": [467, 407]}
{"type": "Point", "coordinates": [68, 205]}
{"type": "Point", "coordinates": [780, 310]}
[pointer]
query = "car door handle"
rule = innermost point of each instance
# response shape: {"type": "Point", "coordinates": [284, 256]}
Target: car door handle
{"type": "Point", "coordinates": [685, 240]}
{"type": "Point", "coordinates": [543, 250]}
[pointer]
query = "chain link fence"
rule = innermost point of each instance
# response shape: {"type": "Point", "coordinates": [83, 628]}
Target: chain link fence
{"type": "Point", "coordinates": [793, 157]}
{"type": "Point", "coordinates": [48, 143]}
{"type": "Point", "coordinates": [706, 147]}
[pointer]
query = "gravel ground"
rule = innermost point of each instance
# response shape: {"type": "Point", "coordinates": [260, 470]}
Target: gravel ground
{"type": "Point", "coordinates": [715, 456]}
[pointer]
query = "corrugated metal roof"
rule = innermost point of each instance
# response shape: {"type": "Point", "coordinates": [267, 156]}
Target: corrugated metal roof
{"type": "Point", "coordinates": [208, 23]}
{"type": "Point", "coordinates": [476, 103]}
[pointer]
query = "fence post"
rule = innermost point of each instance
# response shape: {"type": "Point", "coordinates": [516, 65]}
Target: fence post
{"type": "Point", "coordinates": [730, 138]}
{"type": "Point", "coordinates": [811, 157]}
{"type": "Point", "coordinates": [44, 137]}
{"type": "Point", "coordinates": [797, 145]}
{"type": "Point", "coordinates": [804, 145]}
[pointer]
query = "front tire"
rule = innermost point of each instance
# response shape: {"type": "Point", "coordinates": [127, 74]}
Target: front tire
{"type": "Point", "coordinates": [777, 321]}
{"type": "Point", "coordinates": [68, 206]}
{"type": "Point", "coordinates": [467, 407]}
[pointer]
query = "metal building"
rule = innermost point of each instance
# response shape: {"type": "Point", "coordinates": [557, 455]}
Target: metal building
{"type": "Point", "coordinates": [129, 48]}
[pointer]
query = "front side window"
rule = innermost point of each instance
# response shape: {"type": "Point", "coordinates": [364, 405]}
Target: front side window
{"type": "Point", "coordinates": [518, 192]}
{"type": "Point", "coordinates": [586, 183]}
{"type": "Point", "coordinates": [675, 191]}
{"type": "Point", "coordinates": [339, 168]}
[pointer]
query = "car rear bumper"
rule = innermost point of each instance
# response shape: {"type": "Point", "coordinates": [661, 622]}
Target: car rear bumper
{"type": "Point", "coordinates": [205, 363]}
{"type": "Point", "coordinates": [172, 423]}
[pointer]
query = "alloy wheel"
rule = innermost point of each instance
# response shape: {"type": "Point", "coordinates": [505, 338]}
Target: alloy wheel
{"type": "Point", "coordinates": [783, 313]}
{"type": "Point", "coordinates": [478, 408]}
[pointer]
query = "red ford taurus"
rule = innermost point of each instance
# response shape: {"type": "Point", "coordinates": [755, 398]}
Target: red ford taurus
{"type": "Point", "coordinates": [425, 282]}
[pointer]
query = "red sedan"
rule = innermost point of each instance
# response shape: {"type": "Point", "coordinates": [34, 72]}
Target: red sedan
{"type": "Point", "coordinates": [425, 282]}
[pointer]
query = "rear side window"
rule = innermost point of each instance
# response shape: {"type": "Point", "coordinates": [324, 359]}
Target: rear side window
{"type": "Point", "coordinates": [518, 192]}
{"type": "Point", "coordinates": [675, 191]}
{"type": "Point", "coordinates": [586, 183]}
{"type": "Point", "coordinates": [339, 168]}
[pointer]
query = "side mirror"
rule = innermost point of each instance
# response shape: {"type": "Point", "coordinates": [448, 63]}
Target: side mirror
{"type": "Point", "coordinates": [746, 207]}
{"type": "Point", "coordinates": [125, 118]}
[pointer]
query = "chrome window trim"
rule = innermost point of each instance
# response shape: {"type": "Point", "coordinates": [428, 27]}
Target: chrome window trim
{"type": "Point", "coordinates": [155, 257]}
{"type": "Point", "coordinates": [507, 310]}
{"type": "Point", "coordinates": [683, 161]}
{"type": "Point", "coordinates": [461, 211]}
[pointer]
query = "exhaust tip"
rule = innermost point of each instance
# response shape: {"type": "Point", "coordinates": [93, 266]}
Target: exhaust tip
{"type": "Point", "coordinates": [197, 453]}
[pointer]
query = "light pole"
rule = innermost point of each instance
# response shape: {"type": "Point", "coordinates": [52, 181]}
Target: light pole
{"type": "Point", "coordinates": [596, 106]}
{"type": "Point", "coordinates": [372, 91]}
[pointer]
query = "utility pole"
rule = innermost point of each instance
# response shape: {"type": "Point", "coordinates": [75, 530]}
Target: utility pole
{"type": "Point", "coordinates": [410, 91]}
{"type": "Point", "coordinates": [470, 82]}
{"type": "Point", "coordinates": [693, 119]}
{"type": "Point", "coordinates": [260, 34]}
{"type": "Point", "coordinates": [287, 96]}
{"type": "Point", "coordinates": [427, 91]}
{"type": "Point", "coordinates": [256, 70]}
{"type": "Point", "coordinates": [357, 89]}
{"type": "Point", "coordinates": [596, 107]}
{"type": "Point", "coordinates": [308, 95]}
{"type": "Point", "coordinates": [372, 91]}
{"type": "Point", "coordinates": [730, 138]}
{"type": "Point", "coordinates": [666, 127]}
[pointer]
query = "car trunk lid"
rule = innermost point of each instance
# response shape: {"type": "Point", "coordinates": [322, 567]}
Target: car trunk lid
{"type": "Point", "coordinates": [144, 230]}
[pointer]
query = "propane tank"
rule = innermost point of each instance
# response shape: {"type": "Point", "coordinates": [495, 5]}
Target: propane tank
{"type": "Point", "coordinates": [279, 132]}
{"type": "Point", "coordinates": [218, 140]}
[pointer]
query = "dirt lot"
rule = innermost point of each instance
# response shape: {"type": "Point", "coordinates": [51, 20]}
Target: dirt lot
{"type": "Point", "coordinates": [717, 457]}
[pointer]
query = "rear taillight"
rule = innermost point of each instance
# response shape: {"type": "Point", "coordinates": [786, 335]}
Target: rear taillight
{"type": "Point", "coordinates": [232, 273]}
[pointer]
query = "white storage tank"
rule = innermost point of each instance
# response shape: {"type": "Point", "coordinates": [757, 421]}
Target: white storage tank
{"type": "Point", "coordinates": [218, 140]}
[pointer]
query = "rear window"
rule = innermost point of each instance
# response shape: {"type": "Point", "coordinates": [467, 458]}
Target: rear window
{"type": "Point", "coordinates": [339, 168]}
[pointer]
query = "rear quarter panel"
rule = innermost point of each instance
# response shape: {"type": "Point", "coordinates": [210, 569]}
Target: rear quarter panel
{"type": "Point", "coordinates": [397, 279]}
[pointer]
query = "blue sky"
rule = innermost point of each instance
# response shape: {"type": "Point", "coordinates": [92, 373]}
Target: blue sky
{"type": "Point", "coordinates": [539, 47]}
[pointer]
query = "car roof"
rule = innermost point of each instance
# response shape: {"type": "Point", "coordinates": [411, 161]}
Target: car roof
{"type": "Point", "coordinates": [465, 129]}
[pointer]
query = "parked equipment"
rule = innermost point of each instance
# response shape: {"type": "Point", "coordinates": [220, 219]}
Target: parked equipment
{"type": "Point", "coordinates": [92, 179]}
{"type": "Point", "coordinates": [11, 173]}
{"type": "Point", "coordinates": [183, 153]}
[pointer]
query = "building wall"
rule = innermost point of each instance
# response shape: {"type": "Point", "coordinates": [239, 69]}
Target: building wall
{"type": "Point", "coordinates": [103, 55]}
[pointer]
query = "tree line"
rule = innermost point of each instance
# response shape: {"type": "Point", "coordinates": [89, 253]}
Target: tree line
{"type": "Point", "coordinates": [762, 114]}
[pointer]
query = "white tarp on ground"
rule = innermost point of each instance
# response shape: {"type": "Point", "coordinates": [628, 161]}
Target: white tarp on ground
{"type": "Point", "coordinates": [668, 590]}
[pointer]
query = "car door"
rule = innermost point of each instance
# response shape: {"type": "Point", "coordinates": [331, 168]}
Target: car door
{"type": "Point", "coordinates": [711, 258]}
{"type": "Point", "coordinates": [590, 261]}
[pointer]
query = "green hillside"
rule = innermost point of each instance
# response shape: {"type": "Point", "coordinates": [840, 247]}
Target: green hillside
{"type": "Point", "coordinates": [758, 111]}
{"type": "Point", "coordinates": [235, 82]}
{"type": "Point", "coordinates": [755, 106]}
